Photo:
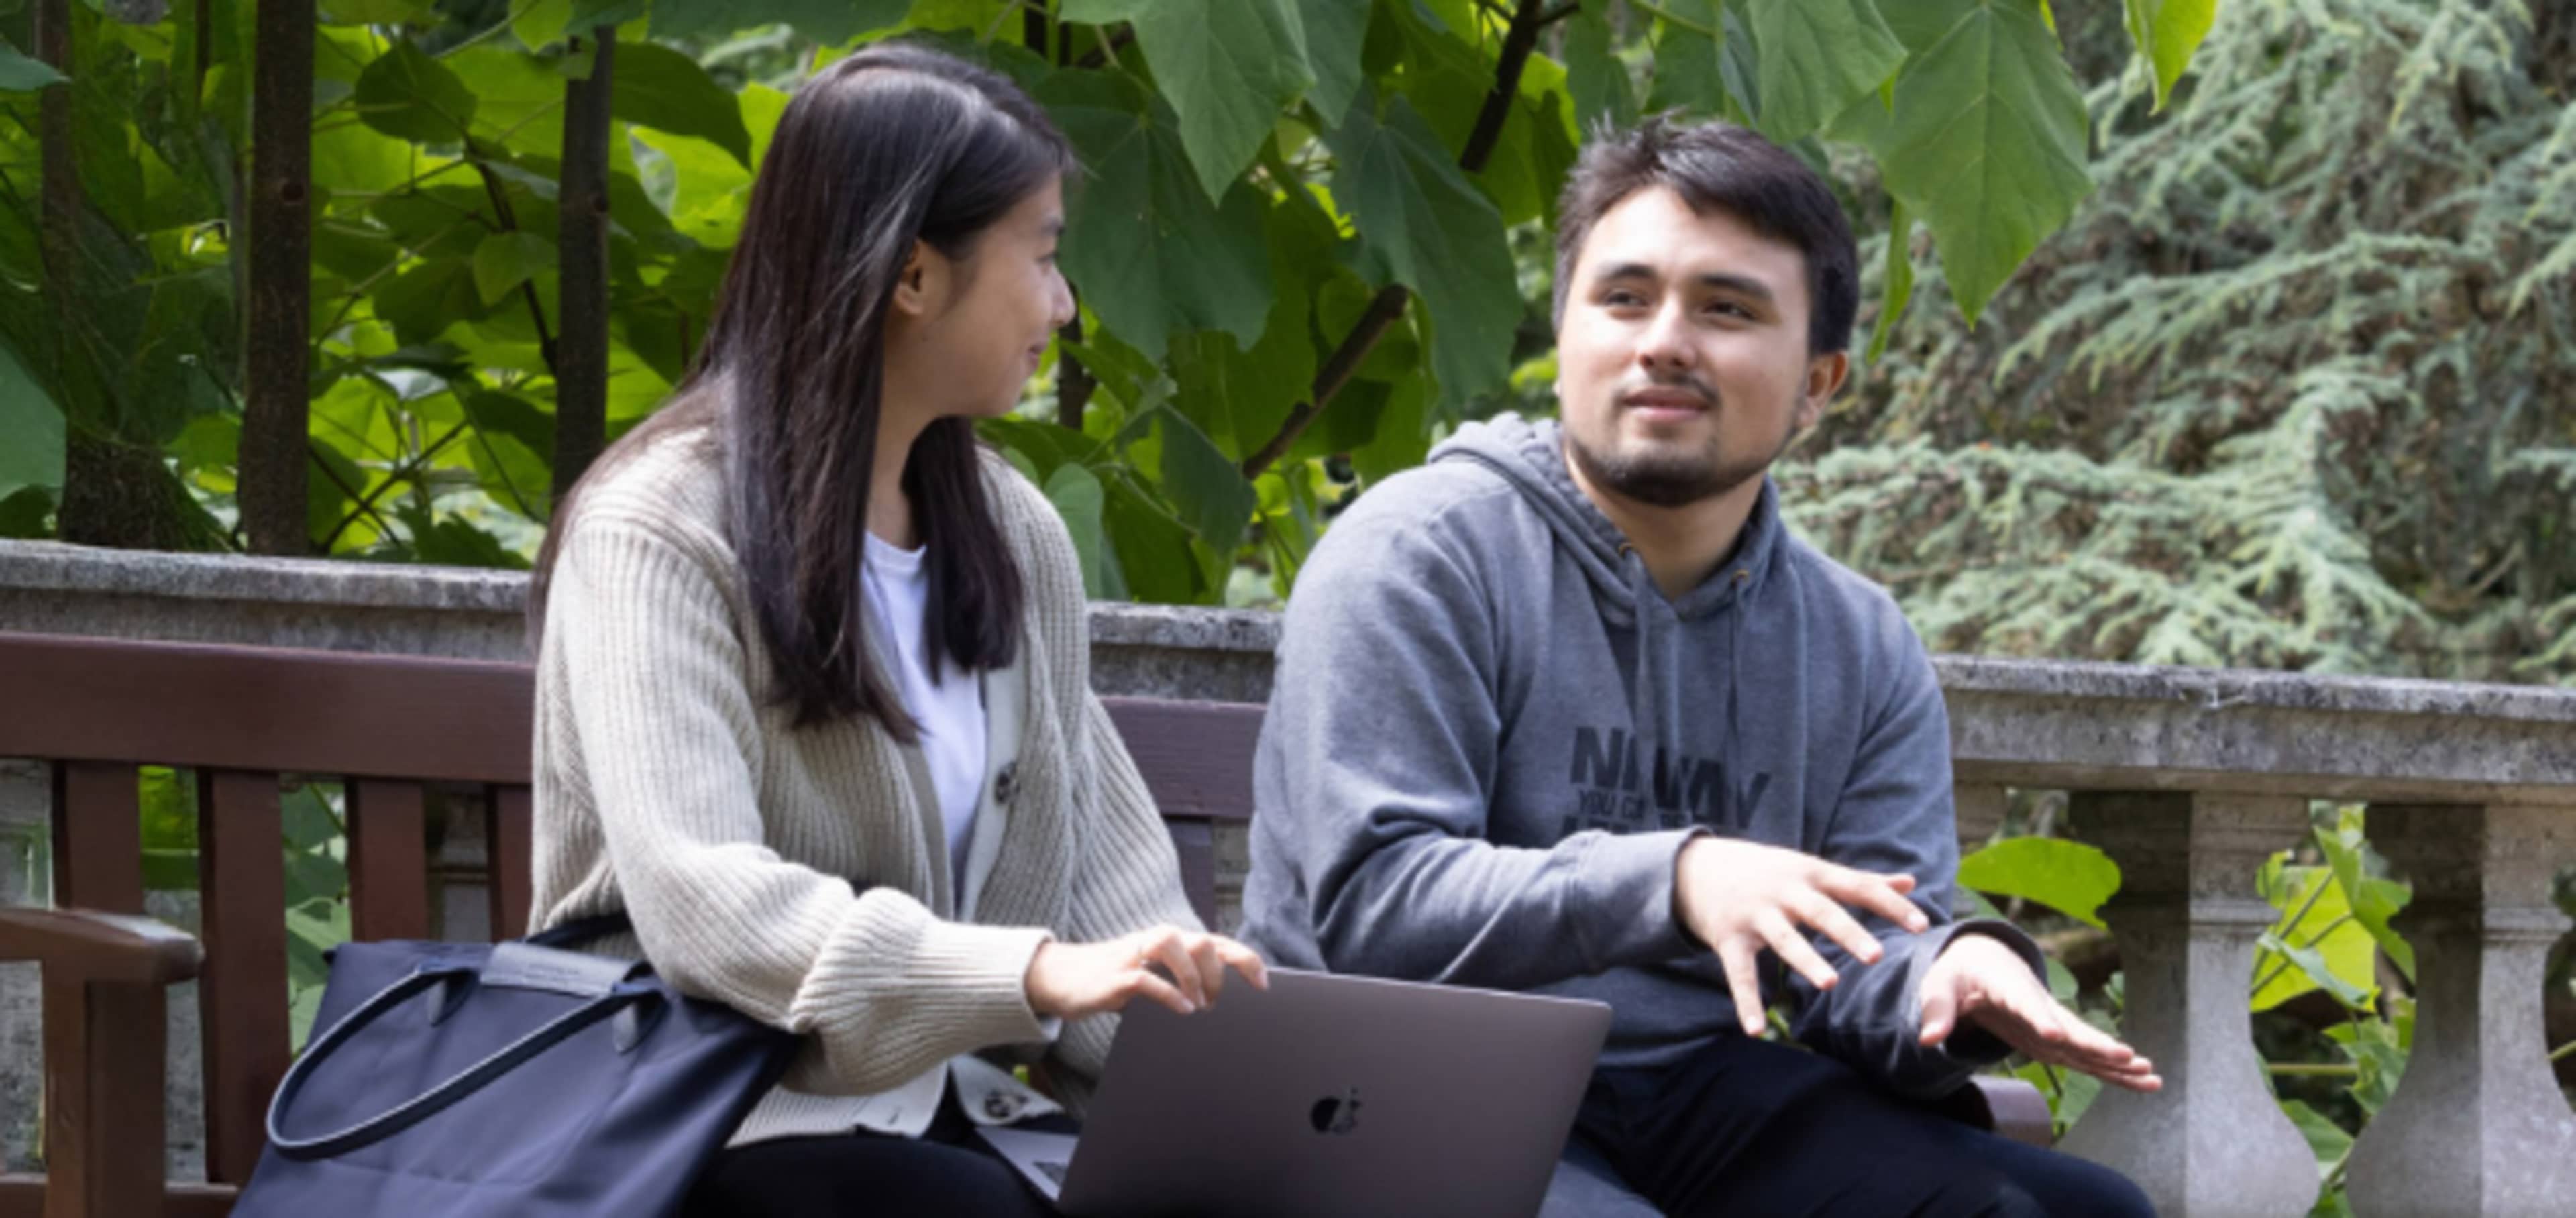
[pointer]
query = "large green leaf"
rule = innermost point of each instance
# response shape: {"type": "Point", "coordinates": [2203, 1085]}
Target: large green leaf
{"type": "Point", "coordinates": [1600, 84]}
{"type": "Point", "coordinates": [2374, 900]}
{"type": "Point", "coordinates": [1336, 33]}
{"type": "Point", "coordinates": [519, 98]}
{"type": "Point", "coordinates": [1228, 68]}
{"type": "Point", "coordinates": [2317, 944]}
{"type": "Point", "coordinates": [1817, 56]}
{"type": "Point", "coordinates": [1432, 231]}
{"type": "Point", "coordinates": [655, 86]}
{"type": "Point", "coordinates": [1077, 497]}
{"type": "Point", "coordinates": [33, 453]}
{"type": "Point", "coordinates": [1987, 145]}
{"type": "Point", "coordinates": [2166, 33]}
{"type": "Point", "coordinates": [505, 260]}
{"type": "Point", "coordinates": [2069, 877]}
{"type": "Point", "coordinates": [1686, 75]}
{"type": "Point", "coordinates": [408, 95]}
{"type": "Point", "coordinates": [1204, 484]}
{"type": "Point", "coordinates": [1148, 251]}
{"type": "Point", "coordinates": [21, 74]}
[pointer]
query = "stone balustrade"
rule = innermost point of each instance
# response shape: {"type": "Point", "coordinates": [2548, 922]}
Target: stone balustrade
{"type": "Point", "coordinates": [2189, 779]}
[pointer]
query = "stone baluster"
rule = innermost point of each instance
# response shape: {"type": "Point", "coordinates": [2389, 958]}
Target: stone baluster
{"type": "Point", "coordinates": [2477, 1126]}
{"type": "Point", "coordinates": [2213, 1142]}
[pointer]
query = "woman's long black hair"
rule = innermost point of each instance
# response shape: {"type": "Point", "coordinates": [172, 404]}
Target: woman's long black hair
{"type": "Point", "coordinates": [893, 145]}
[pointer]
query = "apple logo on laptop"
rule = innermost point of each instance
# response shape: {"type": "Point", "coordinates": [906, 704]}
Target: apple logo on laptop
{"type": "Point", "coordinates": [1337, 1114]}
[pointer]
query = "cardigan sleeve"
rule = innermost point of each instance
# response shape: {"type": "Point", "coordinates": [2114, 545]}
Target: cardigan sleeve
{"type": "Point", "coordinates": [655, 675]}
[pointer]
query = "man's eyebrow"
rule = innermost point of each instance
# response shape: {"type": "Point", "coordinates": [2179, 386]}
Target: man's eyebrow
{"type": "Point", "coordinates": [1744, 284]}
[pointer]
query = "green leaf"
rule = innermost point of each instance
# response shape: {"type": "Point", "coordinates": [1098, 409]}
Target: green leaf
{"type": "Point", "coordinates": [1600, 84]}
{"type": "Point", "coordinates": [1214, 499]}
{"type": "Point", "coordinates": [409, 95]}
{"type": "Point", "coordinates": [830, 22]}
{"type": "Point", "coordinates": [1227, 66]}
{"type": "Point", "coordinates": [1155, 552]}
{"type": "Point", "coordinates": [2069, 877]}
{"type": "Point", "coordinates": [1989, 137]}
{"type": "Point", "coordinates": [422, 302]}
{"type": "Point", "coordinates": [1817, 57]}
{"type": "Point", "coordinates": [1434, 232]}
{"type": "Point", "coordinates": [1336, 34]}
{"type": "Point", "coordinates": [1900, 279]}
{"type": "Point", "coordinates": [1077, 497]}
{"type": "Point", "coordinates": [2374, 900]}
{"type": "Point", "coordinates": [33, 455]}
{"type": "Point", "coordinates": [2326, 1139]}
{"type": "Point", "coordinates": [1148, 251]}
{"type": "Point", "coordinates": [22, 74]}
{"type": "Point", "coordinates": [307, 819]}
{"type": "Point", "coordinates": [2324, 947]}
{"type": "Point", "coordinates": [505, 260]}
{"type": "Point", "coordinates": [655, 86]}
{"type": "Point", "coordinates": [1686, 76]}
{"type": "Point", "coordinates": [2167, 32]}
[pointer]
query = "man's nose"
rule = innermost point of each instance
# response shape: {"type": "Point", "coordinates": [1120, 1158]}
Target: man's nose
{"type": "Point", "coordinates": [1665, 343]}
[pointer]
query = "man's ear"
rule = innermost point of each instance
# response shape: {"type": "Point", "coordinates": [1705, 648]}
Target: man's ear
{"type": "Point", "coordinates": [922, 289]}
{"type": "Point", "coordinates": [1825, 376]}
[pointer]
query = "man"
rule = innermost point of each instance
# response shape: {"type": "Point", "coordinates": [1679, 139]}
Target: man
{"type": "Point", "coordinates": [1568, 710]}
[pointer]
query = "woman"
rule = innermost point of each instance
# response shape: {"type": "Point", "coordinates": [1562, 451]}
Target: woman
{"type": "Point", "coordinates": [812, 701]}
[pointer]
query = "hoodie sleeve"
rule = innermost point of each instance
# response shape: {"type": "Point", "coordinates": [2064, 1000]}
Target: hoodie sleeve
{"type": "Point", "coordinates": [1375, 774]}
{"type": "Point", "coordinates": [1895, 815]}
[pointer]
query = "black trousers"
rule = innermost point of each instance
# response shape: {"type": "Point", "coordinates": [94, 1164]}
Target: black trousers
{"type": "Point", "coordinates": [1752, 1129]}
{"type": "Point", "coordinates": [947, 1170]}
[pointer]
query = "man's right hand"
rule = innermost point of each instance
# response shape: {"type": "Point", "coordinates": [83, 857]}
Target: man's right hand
{"type": "Point", "coordinates": [1740, 897]}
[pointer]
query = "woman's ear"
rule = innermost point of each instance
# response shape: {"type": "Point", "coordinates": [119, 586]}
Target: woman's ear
{"type": "Point", "coordinates": [921, 290]}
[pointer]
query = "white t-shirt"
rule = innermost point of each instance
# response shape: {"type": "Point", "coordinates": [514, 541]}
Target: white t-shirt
{"type": "Point", "coordinates": [950, 709]}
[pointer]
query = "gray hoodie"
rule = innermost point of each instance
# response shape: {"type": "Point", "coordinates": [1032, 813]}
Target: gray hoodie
{"type": "Point", "coordinates": [1491, 734]}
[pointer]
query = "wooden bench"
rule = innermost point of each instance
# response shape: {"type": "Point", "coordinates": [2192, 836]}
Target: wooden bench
{"type": "Point", "coordinates": [401, 732]}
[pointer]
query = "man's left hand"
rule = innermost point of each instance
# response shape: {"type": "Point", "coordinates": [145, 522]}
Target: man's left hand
{"type": "Point", "coordinates": [1981, 980]}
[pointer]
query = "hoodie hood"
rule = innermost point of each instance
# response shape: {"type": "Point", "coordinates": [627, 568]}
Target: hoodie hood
{"type": "Point", "coordinates": [1531, 456]}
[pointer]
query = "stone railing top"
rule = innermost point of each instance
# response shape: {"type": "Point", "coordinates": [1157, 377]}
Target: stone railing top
{"type": "Point", "coordinates": [2020, 722]}
{"type": "Point", "coordinates": [51, 566]}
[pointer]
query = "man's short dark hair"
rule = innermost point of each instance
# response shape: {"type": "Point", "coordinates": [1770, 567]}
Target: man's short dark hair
{"type": "Point", "coordinates": [1722, 166]}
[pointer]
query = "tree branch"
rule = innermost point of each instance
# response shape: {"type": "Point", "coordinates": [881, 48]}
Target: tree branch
{"type": "Point", "coordinates": [405, 472]}
{"type": "Point", "coordinates": [313, 454]}
{"type": "Point", "coordinates": [1388, 304]}
{"type": "Point", "coordinates": [509, 218]}
{"type": "Point", "coordinates": [581, 239]}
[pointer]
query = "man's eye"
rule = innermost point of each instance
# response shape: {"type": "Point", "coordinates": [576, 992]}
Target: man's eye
{"type": "Point", "coordinates": [1622, 299]}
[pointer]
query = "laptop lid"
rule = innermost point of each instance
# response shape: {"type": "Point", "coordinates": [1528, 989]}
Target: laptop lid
{"type": "Point", "coordinates": [1332, 1094]}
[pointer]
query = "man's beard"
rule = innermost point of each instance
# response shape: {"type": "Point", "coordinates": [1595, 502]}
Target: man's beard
{"type": "Point", "coordinates": [1664, 477]}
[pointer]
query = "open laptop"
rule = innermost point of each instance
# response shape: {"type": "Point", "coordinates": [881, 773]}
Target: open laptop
{"type": "Point", "coordinates": [1327, 1094]}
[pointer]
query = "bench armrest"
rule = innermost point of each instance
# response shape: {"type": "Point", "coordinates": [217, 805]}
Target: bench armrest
{"type": "Point", "coordinates": [85, 945]}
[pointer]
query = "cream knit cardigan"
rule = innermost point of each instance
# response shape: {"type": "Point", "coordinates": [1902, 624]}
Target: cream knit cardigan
{"type": "Point", "coordinates": [669, 786]}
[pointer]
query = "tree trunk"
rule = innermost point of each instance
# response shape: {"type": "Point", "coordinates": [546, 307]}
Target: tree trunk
{"type": "Point", "coordinates": [581, 344]}
{"type": "Point", "coordinates": [277, 401]}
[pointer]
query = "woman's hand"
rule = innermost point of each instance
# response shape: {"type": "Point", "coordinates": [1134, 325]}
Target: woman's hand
{"type": "Point", "coordinates": [1072, 980]}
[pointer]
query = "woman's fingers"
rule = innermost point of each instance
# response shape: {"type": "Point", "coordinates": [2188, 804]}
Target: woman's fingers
{"type": "Point", "coordinates": [1243, 960]}
{"type": "Point", "coordinates": [1169, 948]}
{"type": "Point", "coordinates": [1211, 967]}
{"type": "Point", "coordinates": [1146, 984]}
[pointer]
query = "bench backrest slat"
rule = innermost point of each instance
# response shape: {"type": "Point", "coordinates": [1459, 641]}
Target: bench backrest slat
{"type": "Point", "coordinates": [98, 835]}
{"type": "Point", "coordinates": [510, 838]}
{"type": "Point", "coordinates": [241, 995]}
{"type": "Point", "coordinates": [388, 860]}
